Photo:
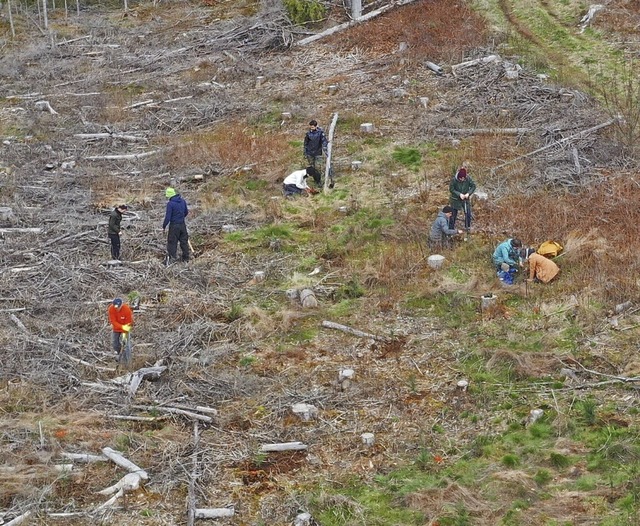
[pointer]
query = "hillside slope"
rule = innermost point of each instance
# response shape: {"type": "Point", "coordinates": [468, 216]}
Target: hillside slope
{"type": "Point", "coordinates": [172, 96]}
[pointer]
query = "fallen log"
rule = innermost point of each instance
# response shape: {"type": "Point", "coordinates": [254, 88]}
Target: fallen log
{"type": "Point", "coordinates": [485, 131]}
{"type": "Point", "coordinates": [347, 25]}
{"type": "Point", "coordinates": [469, 63]}
{"type": "Point", "coordinates": [122, 137]}
{"type": "Point", "coordinates": [285, 446]}
{"type": "Point", "coordinates": [84, 457]}
{"type": "Point", "coordinates": [561, 142]}
{"type": "Point", "coordinates": [19, 519]}
{"type": "Point", "coordinates": [213, 513]}
{"type": "Point", "coordinates": [123, 157]}
{"type": "Point", "coordinates": [18, 230]}
{"type": "Point", "coordinates": [121, 461]}
{"type": "Point", "coordinates": [134, 379]}
{"type": "Point", "coordinates": [354, 332]}
{"type": "Point", "coordinates": [173, 410]}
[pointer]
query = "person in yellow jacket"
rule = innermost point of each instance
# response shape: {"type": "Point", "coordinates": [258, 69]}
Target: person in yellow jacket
{"type": "Point", "coordinates": [541, 269]}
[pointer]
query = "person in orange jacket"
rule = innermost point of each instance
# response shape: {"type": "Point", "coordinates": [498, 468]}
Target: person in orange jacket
{"type": "Point", "coordinates": [121, 318]}
{"type": "Point", "coordinates": [541, 269]}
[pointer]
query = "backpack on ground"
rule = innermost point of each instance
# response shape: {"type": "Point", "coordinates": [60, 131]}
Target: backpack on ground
{"type": "Point", "coordinates": [550, 249]}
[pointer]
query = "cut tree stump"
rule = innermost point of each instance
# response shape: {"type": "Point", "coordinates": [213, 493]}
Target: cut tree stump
{"type": "Point", "coordinates": [305, 411]}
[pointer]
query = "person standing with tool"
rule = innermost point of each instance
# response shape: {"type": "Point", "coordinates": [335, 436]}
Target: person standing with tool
{"type": "Point", "coordinates": [315, 144]}
{"type": "Point", "coordinates": [115, 218]}
{"type": "Point", "coordinates": [174, 217]}
{"type": "Point", "coordinates": [121, 319]}
{"type": "Point", "coordinates": [461, 188]}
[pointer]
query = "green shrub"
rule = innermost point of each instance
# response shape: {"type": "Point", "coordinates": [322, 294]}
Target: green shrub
{"type": "Point", "coordinates": [510, 461]}
{"type": "Point", "coordinates": [559, 460]}
{"type": "Point", "coordinates": [542, 477]}
{"type": "Point", "coordinates": [304, 11]}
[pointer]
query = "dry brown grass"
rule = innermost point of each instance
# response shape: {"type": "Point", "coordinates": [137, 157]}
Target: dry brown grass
{"type": "Point", "coordinates": [433, 29]}
{"type": "Point", "coordinates": [233, 146]}
{"type": "Point", "coordinates": [597, 226]}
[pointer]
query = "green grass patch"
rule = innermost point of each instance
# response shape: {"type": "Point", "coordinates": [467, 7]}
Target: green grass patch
{"type": "Point", "coordinates": [409, 157]}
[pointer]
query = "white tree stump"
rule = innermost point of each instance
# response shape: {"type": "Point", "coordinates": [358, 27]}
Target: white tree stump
{"type": "Point", "coordinates": [534, 416]}
{"type": "Point", "coordinates": [7, 217]}
{"type": "Point", "coordinates": [43, 105]}
{"type": "Point", "coordinates": [462, 385]}
{"type": "Point", "coordinates": [424, 101]}
{"type": "Point", "coordinates": [286, 116]}
{"type": "Point", "coordinates": [366, 127]}
{"type": "Point", "coordinates": [292, 294]}
{"type": "Point", "coordinates": [488, 301]}
{"type": "Point", "coordinates": [356, 165]}
{"type": "Point", "coordinates": [305, 412]}
{"type": "Point", "coordinates": [368, 439]}
{"type": "Point", "coordinates": [259, 81]}
{"type": "Point", "coordinates": [308, 299]}
{"type": "Point", "coordinates": [229, 228]}
{"type": "Point", "coordinates": [333, 89]}
{"type": "Point", "coordinates": [434, 67]}
{"type": "Point", "coordinates": [345, 376]}
{"type": "Point", "coordinates": [302, 519]}
{"type": "Point", "coordinates": [258, 276]}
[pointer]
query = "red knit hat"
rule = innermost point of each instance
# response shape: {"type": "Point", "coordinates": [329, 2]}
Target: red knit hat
{"type": "Point", "coordinates": [462, 173]}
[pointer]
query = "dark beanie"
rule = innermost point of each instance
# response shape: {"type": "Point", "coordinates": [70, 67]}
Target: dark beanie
{"type": "Point", "coordinates": [516, 243]}
{"type": "Point", "coordinates": [447, 209]}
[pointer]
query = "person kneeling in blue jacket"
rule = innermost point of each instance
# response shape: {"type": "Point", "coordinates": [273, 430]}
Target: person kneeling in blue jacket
{"type": "Point", "coordinates": [507, 255]}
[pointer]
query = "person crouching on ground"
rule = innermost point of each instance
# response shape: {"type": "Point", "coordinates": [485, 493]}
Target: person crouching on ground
{"type": "Point", "coordinates": [507, 255]}
{"type": "Point", "coordinates": [440, 235]}
{"type": "Point", "coordinates": [296, 182]}
{"type": "Point", "coordinates": [121, 319]}
{"type": "Point", "coordinates": [541, 269]}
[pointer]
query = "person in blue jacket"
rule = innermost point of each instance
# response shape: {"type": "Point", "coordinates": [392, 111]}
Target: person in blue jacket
{"type": "Point", "coordinates": [174, 217]}
{"type": "Point", "coordinates": [507, 255]}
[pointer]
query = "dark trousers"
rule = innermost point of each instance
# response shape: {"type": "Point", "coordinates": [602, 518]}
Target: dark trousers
{"type": "Point", "coordinates": [316, 162]}
{"type": "Point", "coordinates": [467, 217]}
{"type": "Point", "coordinates": [291, 189]}
{"type": "Point", "coordinates": [115, 245]}
{"type": "Point", "coordinates": [178, 234]}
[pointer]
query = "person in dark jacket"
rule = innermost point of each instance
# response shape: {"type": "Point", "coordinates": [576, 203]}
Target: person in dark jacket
{"type": "Point", "coordinates": [174, 217]}
{"type": "Point", "coordinates": [315, 144]}
{"type": "Point", "coordinates": [115, 218]}
{"type": "Point", "coordinates": [461, 188]}
{"type": "Point", "coordinates": [440, 235]}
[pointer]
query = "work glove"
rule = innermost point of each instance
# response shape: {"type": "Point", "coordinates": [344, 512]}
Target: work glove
{"type": "Point", "coordinates": [123, 337]}
{"type": "Point", "coordinates": [126, 328]}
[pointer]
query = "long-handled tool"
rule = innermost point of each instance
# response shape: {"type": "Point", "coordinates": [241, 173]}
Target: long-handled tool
{"type": "Point", "coordinates": [466, 207]}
